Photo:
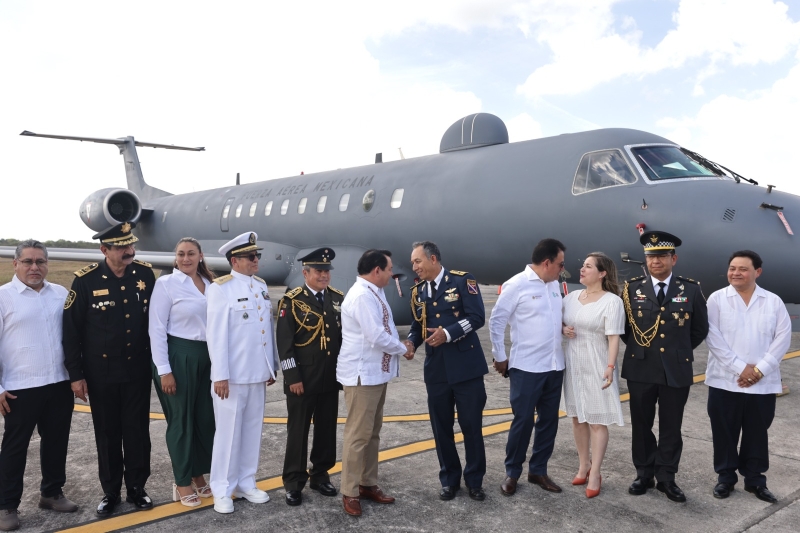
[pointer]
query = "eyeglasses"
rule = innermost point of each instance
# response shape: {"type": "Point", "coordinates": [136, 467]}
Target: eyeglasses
{"type": "Point", "coordinates": [30, 262]}
{"type": "Point", "coordinates": [251, 257]}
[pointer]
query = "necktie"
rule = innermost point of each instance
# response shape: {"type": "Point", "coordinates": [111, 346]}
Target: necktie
{"type": "Point", "coordinates": [321, 298]}
{"type": "Point", "coordinates": [433, 290]}
{"type": "Point", "coordinates": [660, 294]}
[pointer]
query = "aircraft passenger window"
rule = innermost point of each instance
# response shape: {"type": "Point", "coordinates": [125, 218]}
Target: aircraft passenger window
{"type": "Point", "coordinates": [301, 207]}
{"type": "Point", "coordinates": [598, 170]}
{"type": "Point", "coordinates": [369, 199]}
{"type": "Point", "coordinates": [397, 198]}
{"type": "Point", "coordinates": [343, 201]}
{"type": "Point", "coordinates": [268, 208]}
{"type": "Point", "coordinates": [253, 209]}
{"type": "Point", "coordinates": [285, 206]}
{"type": "Point", "coordinates": [670, 162]}
{"type": "Point", "coordinates": [321, 204]}
{"type": "Point", "coordinates": [238, 210]}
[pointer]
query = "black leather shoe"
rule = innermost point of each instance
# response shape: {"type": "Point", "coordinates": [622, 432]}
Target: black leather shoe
{"type": "Point", "coordinates": [325, 488]}
{"type": "Point", "coordinates": [139, 498]}
{"type": "Point", "coordinates": [640, 485]}
{"type": "Point", "coordinates": [762, 493]}
{"type": "Point", "coordinates": [294, 497]}
{"type": "Point", "coordinates": [477, 494]}
{"type": "Point", "coordinates": [672, 491]}
{"type": "Point", "coordinates": [723, 490]}
{"type": "Point", "coordinates": [448, 493]}
{"type": "Point", "coordinates": [107, 504]}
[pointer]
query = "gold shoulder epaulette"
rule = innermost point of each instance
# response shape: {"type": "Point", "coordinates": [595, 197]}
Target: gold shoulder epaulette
{"type": "Point", "coordinates": [143, 263]}
{"type": "Point", "coordinates": [294, 292]}
{"type": "Point", "coordinates": [337, 291]}
{"type": "Point", "coordinates": [419, 284]}
{"type": "Point", "coordinates": [85, 270]}
{"type": "Point", "coordinates": [690, 280]}
{"type": "Point", "coordinates": [458, 273]}
{"type": "Point", "coordinates": [259, 279]}
{"type": "Point", "coordinates": [637, 278]}
{"type": "Point", "coordinates": [223, 279]}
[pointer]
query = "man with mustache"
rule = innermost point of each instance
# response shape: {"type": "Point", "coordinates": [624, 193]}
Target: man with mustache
{"type": "Point", "coordinates": [107, 355]}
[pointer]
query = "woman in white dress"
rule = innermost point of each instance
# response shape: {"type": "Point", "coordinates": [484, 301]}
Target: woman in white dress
{"type": "Point", "coordinates": [593, 320]}
{"type": "Point", "coordinates": [182, 370]}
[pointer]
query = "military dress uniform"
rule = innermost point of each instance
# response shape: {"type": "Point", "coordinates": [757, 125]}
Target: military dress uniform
{"type": "Point", "coordinates": [454, 371]}
{"type": "Point", "coordinates": [241, 345]}
{"type": "Point", "coordinates": [660, 339]}
{"type": "Point", "coordinates": [309, 337]}
{"type": "Point", "coordinates": [106, 343]}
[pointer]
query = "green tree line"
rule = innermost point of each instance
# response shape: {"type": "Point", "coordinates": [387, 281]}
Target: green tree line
{"type": "Point", "coordinates": [60, 243]}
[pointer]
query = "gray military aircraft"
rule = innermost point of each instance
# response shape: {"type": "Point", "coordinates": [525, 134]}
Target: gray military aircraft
{"type": "Point", "coordinates": [485, 201]}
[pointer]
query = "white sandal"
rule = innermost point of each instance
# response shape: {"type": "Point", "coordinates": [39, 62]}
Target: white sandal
{"type": "Point", "coordinates": [190, 500]}
{"type": "Point", "coordinates": [204, 491]}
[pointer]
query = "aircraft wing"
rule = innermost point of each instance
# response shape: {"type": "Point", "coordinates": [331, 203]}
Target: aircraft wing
{"type": "Point", "coordinates": [159, 260]}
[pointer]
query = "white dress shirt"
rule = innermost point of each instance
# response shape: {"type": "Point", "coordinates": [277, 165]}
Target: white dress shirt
{"type": "Point", "coordinates": [656, 288]}
{"type": "Point", "coordinates": [738, 335]}
{"type": "Point", "coordinates": [178, 309]}
{"type": "Point", "coordinates": [239, 331]}
{"type": "Point", "coordinates": [365, 339]}
{"type": "Point", "coordinates": [533, 310]}
{"type": "Point", "coordinates": [31, 354]}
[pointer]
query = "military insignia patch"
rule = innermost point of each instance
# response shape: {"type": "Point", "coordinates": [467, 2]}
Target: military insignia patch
{"type": "Point", "coordinates": [245, 315]}
{"type": "Point", "coordinates": [453, 297]}
{"type": "Point", "coordinates": [70, 299]}
{"type": "Point", "coordinates": [140, 285]}
{"type": "Point", "coordinates": [101, 292]}
{"type": "Point", "coordinates": [283, 313]}
{"type": "Point", "coordinates": [472, 286]}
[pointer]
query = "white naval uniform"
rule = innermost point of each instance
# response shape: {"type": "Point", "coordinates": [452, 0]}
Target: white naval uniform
{"type": "Point", "coordinates": [242, 349]}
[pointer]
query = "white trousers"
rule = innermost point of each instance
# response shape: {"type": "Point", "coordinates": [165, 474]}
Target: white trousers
{"type": "Point", "coordinates": [237, 441]}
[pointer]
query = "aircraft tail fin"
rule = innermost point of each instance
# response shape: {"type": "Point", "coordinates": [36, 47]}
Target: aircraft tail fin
{"type": "Point", "coordinates": [133, 169]}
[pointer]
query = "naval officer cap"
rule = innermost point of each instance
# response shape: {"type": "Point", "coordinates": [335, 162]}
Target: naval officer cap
{"type": "Point", "coordinates": [319, 259]}
{"type": "Point", "coordinates": [119, 235]}
{"type": "Point", "coordinates": [659, 242]}
{"type": "Point", "coordinates": [244, 243]}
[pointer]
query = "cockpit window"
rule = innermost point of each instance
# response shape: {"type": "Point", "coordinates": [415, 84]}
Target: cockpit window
{"type": "Point", "coordinates": [670, 162]}
{"type": "Point", "coordinates": [597, 170]}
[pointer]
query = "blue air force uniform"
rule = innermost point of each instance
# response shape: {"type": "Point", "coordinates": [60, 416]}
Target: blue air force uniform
{"type": "Point", "coordinates": [453, 371]}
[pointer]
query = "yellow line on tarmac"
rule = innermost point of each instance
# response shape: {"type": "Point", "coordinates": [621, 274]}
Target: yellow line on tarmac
{"type": "Point", "coordinates": [169, 510]}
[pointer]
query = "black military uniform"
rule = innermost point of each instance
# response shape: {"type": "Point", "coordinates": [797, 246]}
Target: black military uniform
{"type": "Point", "coordinates": [309, 337]}
{"type": "Point", "coordinates": [660, 339]}
{"type": "Point", "coordinates": [106, 343]}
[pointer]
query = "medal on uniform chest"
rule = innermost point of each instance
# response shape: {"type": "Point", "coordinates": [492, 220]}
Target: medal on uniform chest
{"type": "Point", "coordinates": [265, 295]}
{"type": "Point", "coordinates": [140, 285]}
{"type": "Point", "coordinates": [639, 314]}
{"type": "Point", "coordinates": [245, 315]}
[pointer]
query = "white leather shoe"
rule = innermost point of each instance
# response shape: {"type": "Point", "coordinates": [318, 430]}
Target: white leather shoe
{"type": "Point", "coordinates": [253, 495]}
{"type": "Point", "coordinates": [223, 505]}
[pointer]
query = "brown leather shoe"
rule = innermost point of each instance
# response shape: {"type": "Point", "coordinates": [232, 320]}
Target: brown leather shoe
{"type": "Point", "coordinates": [375, 494]}
{"type": "Point", "coordinates": [545, 482]}
{"type": "Point", "coordinates": [352, 506]}
{"type": "Point", "coordinates": [509, 486]}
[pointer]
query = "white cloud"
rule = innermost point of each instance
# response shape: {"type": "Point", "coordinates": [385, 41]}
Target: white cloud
{"type": "Point", "coordinates": [588, 50]}
{"type": "Point", "coordinates": [755, 136]}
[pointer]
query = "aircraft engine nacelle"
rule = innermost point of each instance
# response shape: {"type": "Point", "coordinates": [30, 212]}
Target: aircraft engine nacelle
{"type": "Point", "coordinates": [108, 207]}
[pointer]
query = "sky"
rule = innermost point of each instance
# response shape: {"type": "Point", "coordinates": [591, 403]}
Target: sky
{"type": "Point", "coordinates": [272, 89]}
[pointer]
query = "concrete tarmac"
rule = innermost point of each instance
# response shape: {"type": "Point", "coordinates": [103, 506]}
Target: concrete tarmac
{"type": "Point", "coordinates": [409, 471]}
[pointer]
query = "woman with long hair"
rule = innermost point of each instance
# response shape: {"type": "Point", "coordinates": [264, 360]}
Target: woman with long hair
{"type": "Point", "coordinates": [593, 319]}
{"type": "Point", "coordinates": [182, 370]}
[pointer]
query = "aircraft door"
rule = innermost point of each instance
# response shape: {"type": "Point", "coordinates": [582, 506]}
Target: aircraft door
{"type": "Point", "coordinates": [226, 210]}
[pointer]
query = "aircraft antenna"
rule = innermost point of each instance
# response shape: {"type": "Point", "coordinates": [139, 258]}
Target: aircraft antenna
{"type": "Point", "coordinates": [237, 178]}
{"type": "Point", "coordinates": [401, 153]}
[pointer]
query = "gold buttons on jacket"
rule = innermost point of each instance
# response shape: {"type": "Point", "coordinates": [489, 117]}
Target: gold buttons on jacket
{"type": "Point", "coordinates": [261, 319]}
{"type": "Point", "coordinates": [437, 315]}
{"type": "Point", "coordinates": [128, 331]}
{"type": "Point", "coordinates": [262, 331]}
{"type": "Point", "coordinates": [125, 301]}
{"type": "Point", "coordinates": [105, 356]}
{"type": "Point", "coordinates": [662, 349]}
{"type": "Point", "coordinates": [127, 316]}
{"type": "Point", "coordinates": [662, 335]}
{"type": "Point", "coordinates": [663, 309]}
{"type": "Point", "coordinates": [122, 288]}
{"type": "Point", "coordinates": [663, 322]}
{"type": "Point", "coordinates": [434, 304]}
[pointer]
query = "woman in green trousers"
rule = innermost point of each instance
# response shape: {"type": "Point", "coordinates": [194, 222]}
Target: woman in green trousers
{"type": "Point", "coordinates": [182, 370]}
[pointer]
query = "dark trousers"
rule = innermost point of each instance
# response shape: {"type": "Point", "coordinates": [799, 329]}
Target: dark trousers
{"type": "Point", "coordinates": [121, 418]}
{"type": "Point", "coordinates": [749, 415]}
{"type": "Point", "coordinates": [324, 409]}
{"type": "Point", "coordinates": [650, 457]}
{"type": "Point", "coordinates": [190, 411]}
{"type": "Point", "coordinates": [469, 397]}
{"type": "Point", "coordinates": [49, 409]}
{"type": "Point", "coordinates": [539, 391]}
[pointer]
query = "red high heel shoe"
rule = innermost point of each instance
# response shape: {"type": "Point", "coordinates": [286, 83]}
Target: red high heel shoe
{"type": "Point", "coordinates": [582, 480]}
{"type": "Point", "coordinates": [591, 493]}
